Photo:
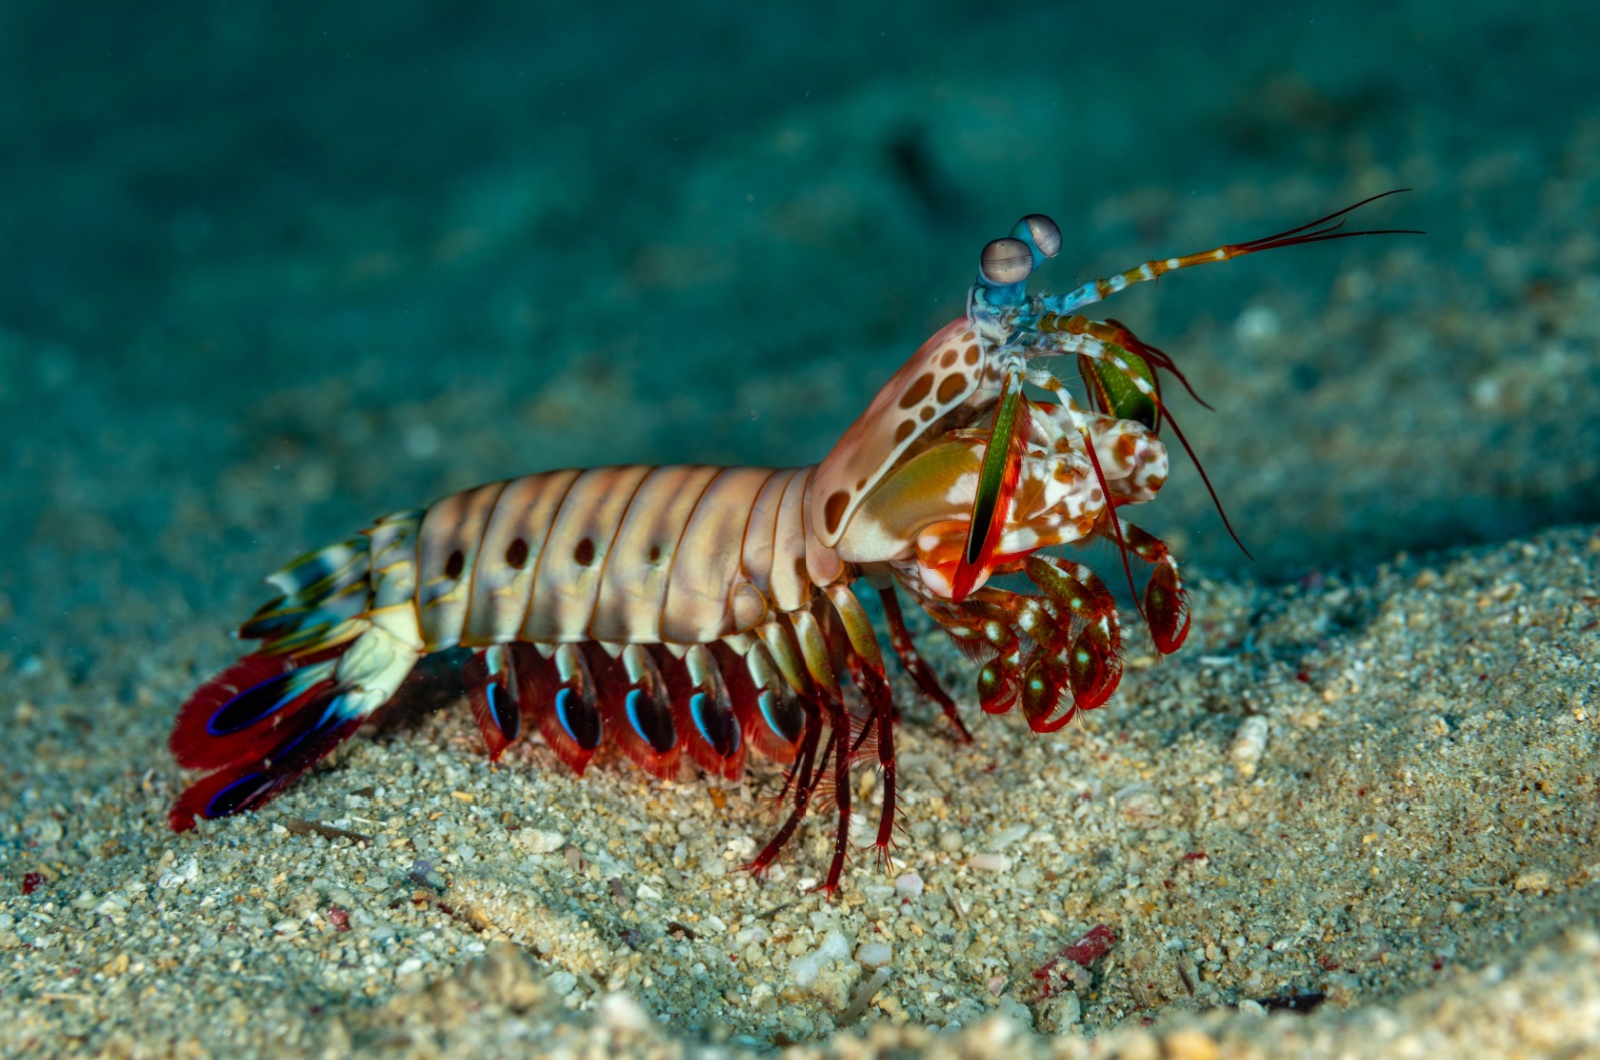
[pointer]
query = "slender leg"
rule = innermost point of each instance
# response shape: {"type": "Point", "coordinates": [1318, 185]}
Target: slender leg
{"type": "Point", "coordinates": [1166, 601]}
{"type": "Point", "coordinates": [804, 786]}
{"type": "Point", "coordinates": [877, 692]}
{"type": "Point", "coordinates": [900, 637]}
{"type": "Point", "coordinates": [817, 654]}
{"type": "Point", "coordinates": [878, 726]}
{"type": "Point", "coordinates": [840, 720]}
{"type": "Point", "coordinates": [868, 673]}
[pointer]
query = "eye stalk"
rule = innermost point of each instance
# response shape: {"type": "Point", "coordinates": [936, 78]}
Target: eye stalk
{"type": "Point", "coordinates": [1005, 262]}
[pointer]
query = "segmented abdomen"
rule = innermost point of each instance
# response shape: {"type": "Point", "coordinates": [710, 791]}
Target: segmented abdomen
{"type": "Point", "coordinates": [643, 555]}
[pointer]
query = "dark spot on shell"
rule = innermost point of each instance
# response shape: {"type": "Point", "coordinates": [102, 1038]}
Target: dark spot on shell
{"type": "Point", "coordinates": [861, 484]}
{"type": "Point", "coordinates": [833, 510]}
{"type": "Point", "coordinates": [917, 391]}
{"type": "Point", "coordinates": [902, 432]}
{"type": "Point", "coordinates": [971, 356]}
{"type": "Point", "coordinates": [951, 388]}
{"type": "Point", "coordinates": [655, 553]}
{"type": "Point", "coordinates": [517, 554]}
{"type": "Point", "coordinates": [583, 555]}
{"type": "Point", "coordinates": [926, 414]}
{"type": "Point", "coordinates": [948, 358]}
{"type": "Point", "coordinates": [455, 564]}
{"type": "Point", "coordinates": [800, 574]}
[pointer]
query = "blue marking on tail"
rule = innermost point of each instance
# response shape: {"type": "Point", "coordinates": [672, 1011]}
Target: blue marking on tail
{"type": "Point", "coordinates": [568, 706]}
{"type": "Point", "coordinates": [238, 794]}
{"type": "Point", "coordinates": [769, 703]}
{"type": "Point", "coordinates": [253, 704]}
{"type": "Point", "coordinates": [564, 698]}
{"type": "Point", "coordinates": [697, 711]}
{"type": "Point", "coordinates": [700, 709]}
{"type": "Point", "coordinates": [631, 705]}
{"type": "Point", "coordinates": [507, 715]}
{"type": "Point", "coordinates": [332, 715]}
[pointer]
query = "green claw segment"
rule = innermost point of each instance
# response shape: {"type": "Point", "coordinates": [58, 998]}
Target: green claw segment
{"type": "Point", "coordinates": [991, 480]}
{"type": "Point", "coordinates": [1115, 390]}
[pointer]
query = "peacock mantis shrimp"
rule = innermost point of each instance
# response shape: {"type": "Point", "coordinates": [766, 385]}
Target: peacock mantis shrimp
{"type": "Point", "coordinates": [696, 612]}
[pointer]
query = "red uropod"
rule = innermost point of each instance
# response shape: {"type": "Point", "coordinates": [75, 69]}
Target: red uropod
{"type": "Point", "coordinates": [696, 613]}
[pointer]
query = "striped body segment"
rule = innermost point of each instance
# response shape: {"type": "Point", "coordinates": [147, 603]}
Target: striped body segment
{"type": "Point", "coordinates": [618, 555]}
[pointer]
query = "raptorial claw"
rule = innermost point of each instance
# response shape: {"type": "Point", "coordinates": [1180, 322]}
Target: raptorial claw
{"type": "Point", "coordinates": [1094, 666]}
{"type": "Point", "coordinates": [997, 482]}
{"type": "Point", "coordinates": [1166, 606]}
{"type": "Point", "coordinates": [996, 689]}
{"type": "Point", "coordinates": [1046, 678]}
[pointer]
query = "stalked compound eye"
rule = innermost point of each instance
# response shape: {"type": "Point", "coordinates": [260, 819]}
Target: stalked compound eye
{"type": "Point", "coordinates": [1046, 236]}
{"type": "Point", "coordinates": [1006, 261]}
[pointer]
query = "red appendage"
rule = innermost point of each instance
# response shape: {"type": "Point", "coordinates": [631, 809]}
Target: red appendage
{"type": "Point", "coordinates": [196, 747]}
{"type": "Point", "coordinates": [1088, 949]}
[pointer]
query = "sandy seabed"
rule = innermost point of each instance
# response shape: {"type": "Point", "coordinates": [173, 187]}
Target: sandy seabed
{"type": "Point", "coordinates": [1351, 817]}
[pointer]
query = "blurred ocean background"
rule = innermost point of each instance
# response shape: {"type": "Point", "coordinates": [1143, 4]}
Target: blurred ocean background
{"type": "Point", "coordinates": [270, 270]}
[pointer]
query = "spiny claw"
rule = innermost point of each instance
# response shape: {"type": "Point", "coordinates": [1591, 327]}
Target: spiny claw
{"type": "Point", "coordinates": [997, 690]}
{"type": "Point", "coordinates": [1047, 677]}
{"type": "Point", "coordinates": [1096, 671]}
{"type": "Point", "coordinates": [1166, 607]}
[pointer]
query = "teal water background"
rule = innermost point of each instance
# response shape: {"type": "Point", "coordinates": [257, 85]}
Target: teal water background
{"type": "Point", "coordinates": [272, 269]}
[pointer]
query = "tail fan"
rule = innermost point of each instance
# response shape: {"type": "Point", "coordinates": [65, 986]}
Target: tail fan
{"type": "Point", "coordinates": [324, 594]}
{"type": "Point", "coordinates": [321, 669]}
{"type": "Point", "coordinates": [243, 712]}
{"type": "Point", "coordinates": [295, 736]}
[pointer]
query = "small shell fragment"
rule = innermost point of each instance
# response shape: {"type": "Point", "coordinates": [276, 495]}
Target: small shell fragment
{"type": "Point", "coordinates": [621, 1014]}
{"type": "Point", "coordinates": [874, 954]}
{"type": "Point", "coordinates": [803, 970]}
{"type": "Point", "coordinates": [541, 840]}
{"type": "Point", "coordinates": [1249, 744]}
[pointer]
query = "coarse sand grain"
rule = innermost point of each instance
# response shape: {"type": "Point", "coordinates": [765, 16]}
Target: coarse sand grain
{"type": "Point", "coordinates": [1352, 810]}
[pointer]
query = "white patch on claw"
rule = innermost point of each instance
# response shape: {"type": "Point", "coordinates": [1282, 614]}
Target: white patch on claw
{"type": "Point", "coordinates": [934, 581]}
